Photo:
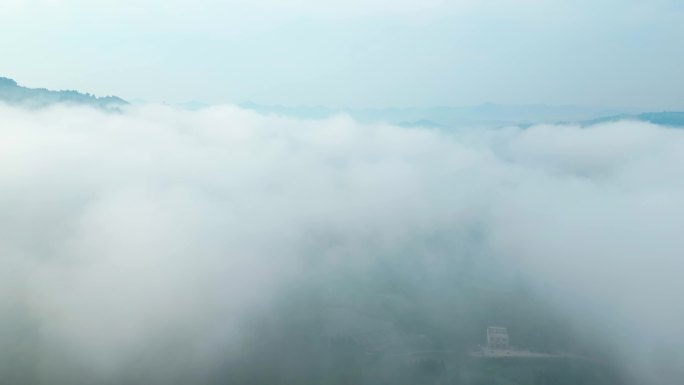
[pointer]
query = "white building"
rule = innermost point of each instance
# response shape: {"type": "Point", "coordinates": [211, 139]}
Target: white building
{"type": "Point", "coordinates": [497, 338]}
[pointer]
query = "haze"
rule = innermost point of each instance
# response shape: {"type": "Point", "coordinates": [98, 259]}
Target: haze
{"type": "Point", "coordinates": [164, 246]}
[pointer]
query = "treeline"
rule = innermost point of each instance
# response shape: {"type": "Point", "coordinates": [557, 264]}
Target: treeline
{"type": "Point", "coordinates": [14, 94]}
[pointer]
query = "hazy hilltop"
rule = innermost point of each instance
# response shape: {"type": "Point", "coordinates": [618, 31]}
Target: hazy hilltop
{"type": "Point", "coordinates": [13, 93]}
{"type": "Point", "coordinates": [664, 118]}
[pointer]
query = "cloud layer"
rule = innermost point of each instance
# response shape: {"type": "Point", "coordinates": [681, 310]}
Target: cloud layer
{"type": "Point", "coordinates": [160, 233]}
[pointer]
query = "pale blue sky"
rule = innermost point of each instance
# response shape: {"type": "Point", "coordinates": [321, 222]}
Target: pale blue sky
{"type": "Point", "coordinates": [368, 53]}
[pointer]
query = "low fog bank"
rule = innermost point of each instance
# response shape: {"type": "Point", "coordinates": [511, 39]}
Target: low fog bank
{"type": "Point", "coordinates": [162, 246]}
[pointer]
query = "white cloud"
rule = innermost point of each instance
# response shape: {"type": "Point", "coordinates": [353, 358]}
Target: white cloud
{"type": "Point", "coordinates": [119, 228]}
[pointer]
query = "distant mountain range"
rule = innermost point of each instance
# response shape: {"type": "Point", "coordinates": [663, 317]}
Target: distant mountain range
{"type": "Point", "coordinates": [484, 115]}
{"type": "Point", "coordinates": [14, 94]}
{"type": "Point", "coordinates": [666, 118]}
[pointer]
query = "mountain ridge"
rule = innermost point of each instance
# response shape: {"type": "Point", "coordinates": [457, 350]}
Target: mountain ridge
{"type": "Point", "coordinates": [14, 94]}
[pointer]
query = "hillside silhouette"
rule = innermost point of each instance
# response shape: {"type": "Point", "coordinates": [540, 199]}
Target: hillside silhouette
{"type": "Point", "coordinates": [14, 94]}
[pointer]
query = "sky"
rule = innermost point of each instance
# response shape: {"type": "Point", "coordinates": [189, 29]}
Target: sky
{"type": "Point", "coordinates": [372, 53]}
